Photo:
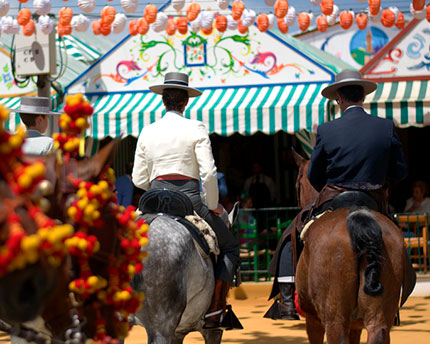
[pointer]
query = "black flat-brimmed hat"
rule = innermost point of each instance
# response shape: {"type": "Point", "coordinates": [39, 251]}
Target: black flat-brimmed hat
{"type": "Point", "coordinates": [176, 80]}
{"type": "Point", "coordinates": [348, 78]}
{"type": "Point", "coordinates": [35, 106]}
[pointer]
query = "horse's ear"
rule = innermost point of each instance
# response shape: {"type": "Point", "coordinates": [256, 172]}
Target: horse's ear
{"type": "Point", "coordinates": [93, 167]}
{"type": "Point", "coordinates": [298, 158]}
{"type": "Point", "coordinates": [232, 216]}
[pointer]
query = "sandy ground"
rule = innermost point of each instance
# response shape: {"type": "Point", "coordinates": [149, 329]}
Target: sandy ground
{"type": "Point", "coordinates": [414, 329]}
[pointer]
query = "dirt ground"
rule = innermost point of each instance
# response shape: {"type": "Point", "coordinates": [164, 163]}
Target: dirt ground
{"type": "Point", "coordinates": [414, 329]}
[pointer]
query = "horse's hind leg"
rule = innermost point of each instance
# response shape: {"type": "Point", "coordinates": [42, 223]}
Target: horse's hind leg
{"type": "Point", "coordinates": [314, 329]}
{"type": "Point", "coordinates": [337, 331]}
{"type": "Point", "coordinates": [212, 336]}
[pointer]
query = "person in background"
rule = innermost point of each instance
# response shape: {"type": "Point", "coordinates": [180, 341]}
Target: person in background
{"type": "Point", "coordinates": [260, 187]}
{"type": "Point", "coordinates": [34, 113]}
{"type": "Point", "coordinates": [419, 202]}
{"type": "Point", "coordinates": [124, 186]}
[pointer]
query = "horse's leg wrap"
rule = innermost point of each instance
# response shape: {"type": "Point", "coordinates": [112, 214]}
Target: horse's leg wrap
{"type": "Point", "coordinates": [216, 311]}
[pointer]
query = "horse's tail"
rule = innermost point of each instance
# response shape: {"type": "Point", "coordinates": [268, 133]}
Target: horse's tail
{"type": "Point", "coordinates": [366, 240]}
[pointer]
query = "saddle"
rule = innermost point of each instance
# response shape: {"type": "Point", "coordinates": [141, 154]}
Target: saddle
{"type": "Point", "coordinates": [177, 206]}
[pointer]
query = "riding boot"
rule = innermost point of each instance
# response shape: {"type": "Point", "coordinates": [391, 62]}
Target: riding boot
{"type": "Point", "coordinates": [287, 307]}
{"type": "Point", "coordinates": [216, 311]}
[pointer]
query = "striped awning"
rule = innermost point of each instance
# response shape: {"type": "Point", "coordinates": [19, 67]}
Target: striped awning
{"type": "Point", "coordinates": [223, 110]}
{"type": "Point", "coordinates": [407, 103]}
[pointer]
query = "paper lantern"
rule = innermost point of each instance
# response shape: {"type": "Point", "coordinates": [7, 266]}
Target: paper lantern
{"type": "Point", "coordinates": [24, 16]}
{"type": "Point", "coordinates": [142, 26]}
{"type": "Point", "coordinates": [80, 23]}
{"type": "Point", "coordinates": [182, 25]}
{"type": "Point", "coordinates": [377, 17]}
{"type": "Point", "coordinates": [248, 17]}
{"type": "Point", "coordinates": [4, 7]}
{"type": "Point", "coordinates": [28, 29]}
{"type": "Point", "coordinates": [87, 6]}
{"type": "Point", "coordinates": [400, 23]}
{"type": "Point", "coordinates": [374, 7]}
{"type": "Point", "coordinates": [242, 28]}
{"type": "Point", "coordinates": [223, 4]}
{"type": "Point", "coordinates": [119, 23]}
{"type": "Point", "coordinates": [272, 20]}
{"type": "Point", "coordinates": [195, 24]}
{"type": "Point", "coordinates": [282, 25]}
{"type": "Point", "coordinates": [130, 6]}
{"type": "Point", "coordinates": [322, 24]}
{"type": "Point", "coordinates": [221, 23]}
{"type": "Point", "coordinates": [418, 5]}
{"type": "Point", "coordinates": [22, 1]}
{"type": "Point", "coordinates": [108, 14]}
{"type": "Point", "coordinates": [361, 20]}
{"type": "Point", "coordinates": [150, 14]}
{"type": "Point", "coordinates": [46, 24]}
{"type": "Point", "coordinates": [231, 23]}
{"type": "Point", "coordinates": [178, 4]}
{"type": "Point", "coordinates": [270, 3]}
{"type": "Point", "coordinates": [133, 27]}
{"type": "Point", "coordinates": [105, 29]}
{"type": "Point", "coordinates": [303, 20]}
{"type": "Point", "coordinates": [206, 19]}
{"type": "Point", "coordinates": [95, 26]}
{"type": "Point", "coordinates": [263, 22]}
{"type": "Point", "coordinates": [290, 18]}
{"type": "Point", "coordinates": [311, 18]}
{"type": "Point", "coordinates": [193, 11]}
{"type": "Point", "coordinates": [281, 8]}
{"type": "Point", "coordinates": [346, 18]}
{"type": "Point", "coordinates": [10, 25]}
{"type": "Point", "coordinates": [326, 7]}
{"type": "Point", "coordinates": [64, 30]}
{"type": "Point", "coordinates": [208, 31]}
{"type": "Point", "coordinates": [315, 3]}
{"type": "Point", "coordinates": [417, 14]}
{"type": "Point", "coordinates": [65, 16]}
{"type": "Point", "coordinates": [388, 18]}
{"type": "Point", "coordinates": [331, 19]}
{"type": "Point", "coordinates": [160, 23]}
{"type": "Point", "coordinates": [171, 27]}
{"type": "Point", "coordinates": [237, 9]}
{"type": "Point", "coordinates": [42, 7]}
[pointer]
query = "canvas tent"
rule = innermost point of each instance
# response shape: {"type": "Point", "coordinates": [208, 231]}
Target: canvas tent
{"type": "Point", "coordinates": [252, 82]}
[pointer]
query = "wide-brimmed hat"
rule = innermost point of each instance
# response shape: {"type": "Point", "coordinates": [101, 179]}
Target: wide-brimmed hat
{"type": "Point", "coordinates": [176, 80]}
{"type": "Point", "coordinates": [35, 106]}
{"type": "Point", "coordinates": [348, 78]}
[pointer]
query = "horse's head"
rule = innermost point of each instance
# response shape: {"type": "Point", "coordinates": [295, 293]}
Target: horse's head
{"type": "Point", "coordinates": [305, 191]}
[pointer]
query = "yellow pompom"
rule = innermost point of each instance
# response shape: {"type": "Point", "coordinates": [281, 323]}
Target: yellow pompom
{"type": "Point", "coordinates": [104, 185]}
{"type": "Point", "coordinates": [93, 281]}
{"type": "Point", "coordinates": [131, 269]}
{"type": "Point", "coordinates": [82, 204]}
{"type": "Point", "coordinates": [82, 244]}
{"type": "Point", "coordinates": [15, 141]}
{"type": "Point", "coordinates": [71, 212]}
{"type": "Point", "coordinates": [81, 123]}
{"type": "Point", "coordinates": [24, 180]}
{"type": "Point", "coordinates": [31, 242]}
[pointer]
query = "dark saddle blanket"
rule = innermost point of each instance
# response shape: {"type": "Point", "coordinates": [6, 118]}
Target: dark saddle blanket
{"type": "Point", "coordinates": [175, 205]}
{"type": "Point", "coordinates": [348, 199]}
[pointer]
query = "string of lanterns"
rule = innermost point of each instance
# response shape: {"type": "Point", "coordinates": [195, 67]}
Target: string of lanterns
{"type": "Point", "coordinates": [195, 18]}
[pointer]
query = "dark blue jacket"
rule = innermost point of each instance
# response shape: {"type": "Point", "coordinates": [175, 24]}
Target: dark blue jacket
{"type": "Point", "coordinates": [356, 148]}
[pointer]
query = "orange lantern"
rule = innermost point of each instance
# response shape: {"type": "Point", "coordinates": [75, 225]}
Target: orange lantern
{"type": "Point", "coordinates": [28, 29]}
{"type": "Point", "coordinates": [237, 10]}
{"type": "Point", "coordinates": [133, 27]}
{"type": "Point", "coordinates": [400, 23]}
{"type": "Point", "coordinates": [374, 6]}
{"type": "Point", "coordinates": [345, 19]}
{"type": "Point", "coordinates": [171, 27]}
{"type": "Point", "coordinates": [303, 20]}
{"type": "Point", "coordinates": [418, 5]}
{"type": "Point", "coordinates": [182, 25]}
{"type": "Point", "coordinates": [322, 24]}
{"type": "Point", "coordinates": [326, 7]}
{"type": "Point", "coordinates": [95, 26]}
{"type": "Point", "coordinates": [428, 13]}
{"type": "Point", "coordinates": [65, 16]}
{"type": "Point", "coordinates": [208, 31]}
{"type": "Point", "coordinates": [142, 26]}
{"type": "Point", "coordinates": [105, 29]}
{"type": "Point", "coordinates": [193, 11]}
{"type": "Point", "coordinates": [361, 20]}
{"type": "Point", "coordinates": [242, 28]}
{"type": "Point", "coordinates": [282, 26]}
{"type": "Point", "coordinates": [150, 13]}
{"type": "Point", "coordinates": [221, 23]}
{"type": "Point", "coordinates": [388, 18]}
{"type": "Point", "coordinates": [263, 22]}
{"type": "Point", "coordinates": [24, 16]}
{"type": "Point", "coordinates": [64, 30]}
{"type": "Point", "coordinates": [108, 15]}
{"type": "Point", "coordinates": [281, 8]}
{"type": "Point", "coordinates": [22, 1]}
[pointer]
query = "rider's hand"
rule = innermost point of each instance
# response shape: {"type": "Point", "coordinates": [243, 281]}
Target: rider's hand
{"type": "Point", "coordinates": [218, 210]}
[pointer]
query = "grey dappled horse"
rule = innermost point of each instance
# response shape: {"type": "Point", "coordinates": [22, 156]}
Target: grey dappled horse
{"type": "Point", "coordinates": [178, 284]}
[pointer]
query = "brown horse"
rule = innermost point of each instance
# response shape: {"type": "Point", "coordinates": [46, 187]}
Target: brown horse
{"type": "Point", "coordinates": [350, 273]}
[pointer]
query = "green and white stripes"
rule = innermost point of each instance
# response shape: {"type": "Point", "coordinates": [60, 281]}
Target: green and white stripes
{"type": "Point", "coordinates": [224, 111]}
{"type": "Point", "coordinates": [78, 49]}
